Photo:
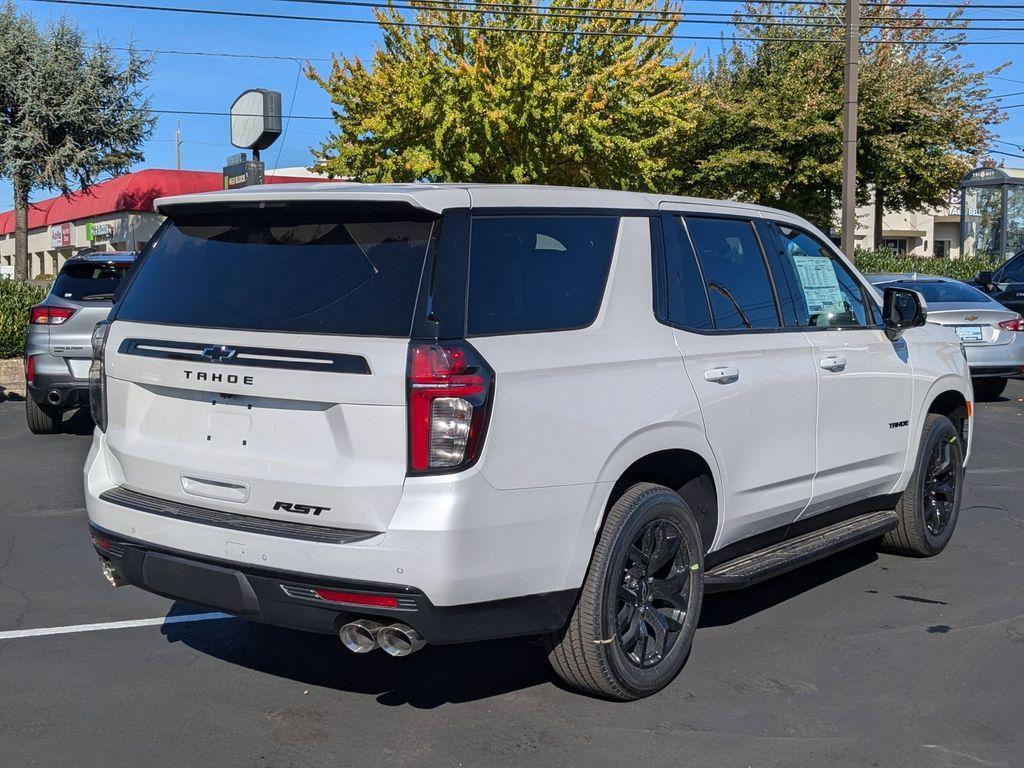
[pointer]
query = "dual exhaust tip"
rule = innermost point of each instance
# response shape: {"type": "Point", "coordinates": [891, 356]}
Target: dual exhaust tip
{"type": "Point", "coordinates": [363, 636]}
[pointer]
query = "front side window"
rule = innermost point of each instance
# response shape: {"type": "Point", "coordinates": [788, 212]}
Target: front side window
{"type": "Point", "coordinates": [292, 270]}
{"type": "Point", "coordinates": [529, 274]}
{"type": "Point", "coordinates": [1013, 272]}
{"type": "Point", "coordinates": [735, 274]}
{"type": "Point", "coordinates": [826, 294]}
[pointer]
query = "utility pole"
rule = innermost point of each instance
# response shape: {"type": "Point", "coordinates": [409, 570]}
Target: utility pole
{"type": "Point", "coordinates": [849, 222]}
{"type": "Point", "coordinates": [177, 146]}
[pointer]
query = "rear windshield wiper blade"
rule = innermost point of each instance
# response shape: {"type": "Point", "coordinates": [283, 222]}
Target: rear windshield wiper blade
{"type": "Point", "coordinates": [97, 297]}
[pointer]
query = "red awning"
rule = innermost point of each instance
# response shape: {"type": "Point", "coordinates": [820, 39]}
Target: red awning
{"type": "Point", "coordinates": [131, 192]}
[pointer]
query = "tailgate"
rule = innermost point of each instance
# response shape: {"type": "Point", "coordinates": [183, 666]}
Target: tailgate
{"type": "Point", "coordinates": [296, 427]}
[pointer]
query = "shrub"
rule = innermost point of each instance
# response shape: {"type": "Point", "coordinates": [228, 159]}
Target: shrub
{"type": "Point", "coordinates": [887, 260]}
{"type": "Point", "coordinates": [15, 299]}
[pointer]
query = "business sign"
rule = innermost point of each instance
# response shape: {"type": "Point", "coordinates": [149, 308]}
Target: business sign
{"type": "Point", "coordinates": [60, 235]}
{"type": "Point", "coordinates": [95, 232]}
{"type": "Point", "coordinates": [256, 119]}
{"type": "Point", "coordinates": [243, 174]}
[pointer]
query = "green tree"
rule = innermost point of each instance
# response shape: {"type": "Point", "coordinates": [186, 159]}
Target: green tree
{"type": "Point", "coordinates": [70, 113]}
{"type": "Point", "coordinates": [532, 98]}
{"type": "Point", "coordinates": [771, 127]}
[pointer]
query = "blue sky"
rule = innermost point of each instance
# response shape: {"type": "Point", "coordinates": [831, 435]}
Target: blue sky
{"type": "Point", "coordinates": [211, 84]}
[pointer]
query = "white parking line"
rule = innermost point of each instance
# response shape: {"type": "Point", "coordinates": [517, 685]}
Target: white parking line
{"type": "Point", "coordinates": [17, 633]}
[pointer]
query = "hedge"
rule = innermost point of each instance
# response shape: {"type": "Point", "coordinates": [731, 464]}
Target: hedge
{"type": "Point", "coordinates": [15, 299]}
{"type": "Point", "coordinates": [886, 260]}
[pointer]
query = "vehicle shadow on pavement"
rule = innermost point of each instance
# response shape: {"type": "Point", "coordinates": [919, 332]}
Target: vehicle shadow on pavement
{"type": "Point", "coordinates": [725, 608]}
{"type": "Point", "coordinates": [78, 423]}
{"type": "Point", "coordinates": [432, 677]}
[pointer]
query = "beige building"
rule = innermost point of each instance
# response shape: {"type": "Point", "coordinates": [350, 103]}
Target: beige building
{"type": "Point", "coordinates": [926, 233]}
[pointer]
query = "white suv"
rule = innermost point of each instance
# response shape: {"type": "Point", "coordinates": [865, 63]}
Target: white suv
{"type": "Point", "coordinates": [413, 414]}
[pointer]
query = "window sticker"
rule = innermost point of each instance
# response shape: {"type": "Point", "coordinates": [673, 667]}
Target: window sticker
{"type": "Point", "coordinates": [819, 282]}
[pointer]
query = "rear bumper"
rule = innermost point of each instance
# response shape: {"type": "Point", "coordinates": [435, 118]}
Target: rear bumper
{"type": "Point", "coordinates": [289, 599]}
{"type": "Point", "coordinates": [52, 376]}
{"type": "Point", "coordinates": [997, 360]}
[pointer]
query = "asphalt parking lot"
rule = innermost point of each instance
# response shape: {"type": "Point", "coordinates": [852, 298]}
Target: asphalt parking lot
{"type": "Point", "coordinates": [863, 659]}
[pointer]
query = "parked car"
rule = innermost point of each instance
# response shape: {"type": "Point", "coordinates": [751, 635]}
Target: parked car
{"type": "Point", "coordinates": [504, 410]}
{"type": "Point", "coordinates": [1005, 284]}
{"type": "Point", "coordinates": [58, 349]}
{"type": "Point", "coordinates": [992, 335]}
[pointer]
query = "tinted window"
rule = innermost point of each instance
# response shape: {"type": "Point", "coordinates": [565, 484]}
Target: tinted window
{"type": "Point", "coordinates": [827, 295]}
{"type": "Point", "coordinates": [537, 273]}
{"type": "Point", "coordinates": [941, 292]}
{"type": "Point", "coordinates": [687, 299]}
{"type": "Point", "coordinates": [289, 270]}
{"type": "Point", "coordinates": [734, 272]}
{"type": "Point", "coordinates": [1013, 272]}
{"type": "Point", "coordinates": [89, 282]}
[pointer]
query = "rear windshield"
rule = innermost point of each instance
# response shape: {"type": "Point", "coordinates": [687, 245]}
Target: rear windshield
{"type": "Point", "coordinates": [537, 273]}
{"type": "Point", "coordinates": [942, 292]}
{"type": "Point", "coordinates": [288, 270]}
{"type": "Point", "coordinates": [89, 282]}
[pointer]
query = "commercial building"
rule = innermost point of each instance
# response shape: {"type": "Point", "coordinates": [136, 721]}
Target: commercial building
{"type": "Point", "coordinates": [931, 232]}
{"type": "Point", "coordinates": [115, 215]}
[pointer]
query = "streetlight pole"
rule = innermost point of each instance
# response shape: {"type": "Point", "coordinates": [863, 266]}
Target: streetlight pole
{"type": "Point", "coordinates": [849, 219]}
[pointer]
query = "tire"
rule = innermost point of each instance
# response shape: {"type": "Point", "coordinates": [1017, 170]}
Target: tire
{"type": "Point", "coordinates": [929, 507]}
{"type": "Point", "coordinates": [42, 419]}
{"type": "Point", "coordinates": [988, 389]}
{"type": "Point", "coordinates": [592, 654]}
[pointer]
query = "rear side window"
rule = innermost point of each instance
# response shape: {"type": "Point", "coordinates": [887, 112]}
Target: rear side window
{"type": "Point", "coordinates": [735, 274]}
{"type": "Point", "coordinates": [89, 282]}
{"type": "Point", "coordinates": [291, 270]}
{"type": "Point", "coordinates": [537, 273]}
{"type": "Point", "coordinates": [687, 299]}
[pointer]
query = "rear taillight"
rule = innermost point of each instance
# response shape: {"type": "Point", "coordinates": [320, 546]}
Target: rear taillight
{"type": "Point", "coordinates": [1017, 324]}
{"type": "Point", "coordinates": [98, 376]}
{"type": "Point", "coordinates": [42, 315]}
{"type": "Point", "coordinates": [450, 393]}
{"type": "Point", "coordinates": [30, 369]}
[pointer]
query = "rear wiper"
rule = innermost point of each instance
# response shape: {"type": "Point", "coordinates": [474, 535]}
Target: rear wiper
{"type": "Point", "coordinates": [97, 297]}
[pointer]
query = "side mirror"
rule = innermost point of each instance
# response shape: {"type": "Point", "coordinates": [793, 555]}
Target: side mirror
{"type": "Point", "coordinates": [902, 309]}
{"type": "Point", "coordinates": [984, 279]}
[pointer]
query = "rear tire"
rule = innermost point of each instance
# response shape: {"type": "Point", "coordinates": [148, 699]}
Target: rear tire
{"type": "Point", "coordinates": [42, 419]}
{"type": "Point", "coordinates": [988, 389]}
{"type": "Point", "coordinates": [930, 506]}
{"type": "Point", "coordinates": [633, 626]}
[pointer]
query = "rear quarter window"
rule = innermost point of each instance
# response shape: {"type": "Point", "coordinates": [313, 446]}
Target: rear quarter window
{"type": "Point", "coordinates": [529, 274]}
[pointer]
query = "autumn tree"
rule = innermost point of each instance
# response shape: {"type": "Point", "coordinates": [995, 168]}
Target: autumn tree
{"type": "Point", "coordinates": [588, 94]}
{"type": "Point", "coordinates": [70, 113]}
{"type": "Point", "coordinates": [770, 130]}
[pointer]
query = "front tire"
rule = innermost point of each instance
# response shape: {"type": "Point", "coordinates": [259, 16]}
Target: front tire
{"type": "Point", "coordinates": [988, 389]}
{"type": "Point", "coordinates": [634, 623]}
{"type": "Point", "coordinates": [42, 419]}
{"type": "Point", "coordinates": [930, 506]}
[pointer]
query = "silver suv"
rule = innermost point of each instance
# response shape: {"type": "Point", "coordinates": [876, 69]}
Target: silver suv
{"type": "Point", "coordinates": [58, 349]}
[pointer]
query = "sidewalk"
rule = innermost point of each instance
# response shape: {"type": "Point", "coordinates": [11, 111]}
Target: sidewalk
{"type": "Point", "coordinates": [12, 379]}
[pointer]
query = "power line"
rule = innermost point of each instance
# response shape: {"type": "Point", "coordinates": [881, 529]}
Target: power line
{"type": "Point", "coordinates": [490, 28]}
{"type": "Point", "coordinates": [613, 14]}
{"type": "Point", "coordinates": [220, 54]}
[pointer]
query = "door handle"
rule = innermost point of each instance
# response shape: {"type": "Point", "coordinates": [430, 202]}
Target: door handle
{"type": "Point", "coordinates": [722, 375]}
{"type": "Point", "coordinates": [835, 364]}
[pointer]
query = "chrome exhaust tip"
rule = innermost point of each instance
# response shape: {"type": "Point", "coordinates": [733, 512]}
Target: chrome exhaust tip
{"type": "Point", "coordinates": [110, 573]}
{"type": "Point", "coordinates": [400, 640]}
{"type": "Point", "coordinates": [360, 636]}
{"type": "Point", "coordinates": [54, 397]}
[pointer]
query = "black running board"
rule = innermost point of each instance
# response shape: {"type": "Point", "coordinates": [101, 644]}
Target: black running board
{"type": "Point", "coordinates": [786, 555]}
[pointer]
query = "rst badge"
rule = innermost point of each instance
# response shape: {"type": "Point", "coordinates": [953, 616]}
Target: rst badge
{"type": "Point", "coordinates": [302, 509]}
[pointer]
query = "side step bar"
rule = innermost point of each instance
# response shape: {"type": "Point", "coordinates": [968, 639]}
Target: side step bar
{"type": "Point", "coordinates": [793, 553]}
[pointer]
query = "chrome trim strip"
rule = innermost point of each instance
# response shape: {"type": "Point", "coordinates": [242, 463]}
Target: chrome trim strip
{"type": "Point", "coordinates": [254, 357]}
